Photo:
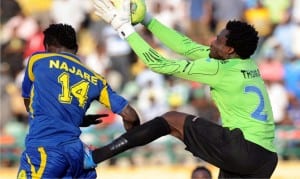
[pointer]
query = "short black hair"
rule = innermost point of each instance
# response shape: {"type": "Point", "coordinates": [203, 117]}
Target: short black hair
{"type": "Point", "coordinates": [61, 35]}
{"type": "Point", "coordinates": [242, 37]}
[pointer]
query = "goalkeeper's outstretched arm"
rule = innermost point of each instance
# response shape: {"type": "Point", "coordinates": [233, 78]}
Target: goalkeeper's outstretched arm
{"type": "Point", "coordinates": [198, 70]}
{"type": "Point", "coordinates": [120, 21]}
{"type": "Point", "coordinates": [175, 40]}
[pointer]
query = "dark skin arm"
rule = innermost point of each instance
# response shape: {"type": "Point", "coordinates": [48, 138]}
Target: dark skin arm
{"type": "Point", "coordinates": [26, 103]}
{"type": "Point", "coordinates": [130, 117]}
{"type": "Point", "coordinates": [88, 120]}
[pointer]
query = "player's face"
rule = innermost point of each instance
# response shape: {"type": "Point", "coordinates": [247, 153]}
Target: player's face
{"type": "Point", "coordinates": [218, 47]}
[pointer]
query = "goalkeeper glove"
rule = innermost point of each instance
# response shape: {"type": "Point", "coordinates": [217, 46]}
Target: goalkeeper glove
{"type": "Point", "coordinates": [119, 18]}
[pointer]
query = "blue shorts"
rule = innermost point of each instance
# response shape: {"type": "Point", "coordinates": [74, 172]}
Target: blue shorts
{"type": "Point", "coordinates": [62, 161]}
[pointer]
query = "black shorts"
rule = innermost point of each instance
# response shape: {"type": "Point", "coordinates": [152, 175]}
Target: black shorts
{"type": "Point", "coordinates": [228, 150]}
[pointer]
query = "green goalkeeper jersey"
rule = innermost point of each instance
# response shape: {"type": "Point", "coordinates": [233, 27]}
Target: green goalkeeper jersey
{"type": "Point", "coordinates": [236, 85]}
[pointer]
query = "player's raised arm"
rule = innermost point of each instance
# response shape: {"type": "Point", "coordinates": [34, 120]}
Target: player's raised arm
{"type": "Point", "coordinates": [175, 40]}
{"type": "Point", "coordinates": [204, 70]}
{"type": "Point", "coordinates": [121, 22]}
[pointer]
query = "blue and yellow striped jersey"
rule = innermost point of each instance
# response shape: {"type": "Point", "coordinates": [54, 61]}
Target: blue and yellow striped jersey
{"type": "Point", "coordinates": [61, 89]}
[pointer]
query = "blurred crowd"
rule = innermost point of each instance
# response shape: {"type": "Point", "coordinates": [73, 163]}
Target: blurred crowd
{"type": "Point", "coordinates": [100, 48]}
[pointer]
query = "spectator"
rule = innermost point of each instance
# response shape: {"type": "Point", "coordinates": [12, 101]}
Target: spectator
{"type": "Point", "coordinates": [62, 11]}
{"type": "Point", "coordinates": [9, 9]}
{"type": "Point", "coordinates": [277, 9]}
{"type": "Point", "coordinates": [119, 57]}
{"type": "Point", "coordinates": [98, 59]}
{"type": "Point", "coordinates": [152, 100]}
{"type": "Point", "coordinates": [224, 11]}
{"type": "Point", "coordinates": [203, 105]}
{"type": "Point", "coordinates": [285, 33]}
{"type": "Point", "coordinates": [292, 77]}
{"type": "Point", "coordinates": [6, 79]}
{"type": "Point", "coordinates": [201, 172]}
{"type": "Point", "coordinates": [293, 110]}
{"type": "Point", "coordinates": [259, 16]}
{"type": "Point", "coordinates": [35, 42]}
{"type": "Point", "coordinates": [12, 53]}
{"type": "Point", "coordinates": [199, 19]}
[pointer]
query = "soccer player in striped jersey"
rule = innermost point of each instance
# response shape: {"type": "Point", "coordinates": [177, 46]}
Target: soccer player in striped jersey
{"type": "Point", "coordinates": [58, 89]}
{"type": "Point", "coordinates": [242, 147]}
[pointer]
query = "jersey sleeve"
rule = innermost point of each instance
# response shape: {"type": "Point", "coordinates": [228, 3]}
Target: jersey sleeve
{"type": "Point", "coordinates": [204, 70]}
{"type": "Point", "coordinates": [26, 84]}
{"type": "Point", "coordinates": [110, 99]}
{"type": "Point", "coordinates": [178, 42]}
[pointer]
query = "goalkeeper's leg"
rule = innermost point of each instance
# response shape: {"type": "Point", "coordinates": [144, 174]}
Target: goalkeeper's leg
{"type": "Point", "coordinates": [169, 123]}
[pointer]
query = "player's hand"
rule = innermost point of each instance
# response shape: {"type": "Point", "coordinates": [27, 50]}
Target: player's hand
{"type": "Point", "coordinates": [112, 15]}
{"type": "Point", "coordinates": [105, 10]}
{"type": "Point", "coordinates": [88, 162]}
{"type": "Point", "coordinates": [119, 18]}
{"type": "Point", "coordinates": [92, 119]}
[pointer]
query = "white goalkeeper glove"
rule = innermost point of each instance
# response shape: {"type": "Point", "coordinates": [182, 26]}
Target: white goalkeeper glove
{"type": "Point", "coordinates": [119, 18]}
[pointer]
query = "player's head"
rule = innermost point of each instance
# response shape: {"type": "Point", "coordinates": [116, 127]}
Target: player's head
{"type": "Point", "coordinates": [201, 172]}
{"type": "Point", "coordinates": [237, 40]}
{"type": "Point", "coordinates": [59, 38]}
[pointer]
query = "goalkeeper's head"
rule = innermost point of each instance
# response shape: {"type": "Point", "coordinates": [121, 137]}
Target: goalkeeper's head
{"type": "Point", "coordinates": [237, 40]}
{"type": "Point", "coordinates": [59, 38]}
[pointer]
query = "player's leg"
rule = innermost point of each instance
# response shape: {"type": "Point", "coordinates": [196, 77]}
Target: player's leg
{"type": "Point", "coordinates": [137, 136]}
{"type": "Point", "coordinates": [227, 149]}
{"type": "Point", "coordinates": [74, 152]}
{"type": "Point", "coordinates": [226, 174]}
{"type": "Point", "coordinates": [264, 170]}
{"type": "Point", "coordinates": [41, 162]}
{"type": "Point", "coordinates": [87, 173]}
{"type": "Point", "coordinates": [176, 122]}
{"type": "Point", "coordinates": [169, 123]}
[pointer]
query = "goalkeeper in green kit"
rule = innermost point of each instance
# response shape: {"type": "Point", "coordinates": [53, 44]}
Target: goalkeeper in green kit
{"type": "Point", "coordinates": [243, 146]}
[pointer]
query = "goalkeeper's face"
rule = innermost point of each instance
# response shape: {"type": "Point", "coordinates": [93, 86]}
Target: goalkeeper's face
{"type": "Point", "coordinates": [219, 49]}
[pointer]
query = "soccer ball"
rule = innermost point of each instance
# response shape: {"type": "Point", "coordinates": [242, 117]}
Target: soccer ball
{"type": "Point", "coordinates": [137, 9]}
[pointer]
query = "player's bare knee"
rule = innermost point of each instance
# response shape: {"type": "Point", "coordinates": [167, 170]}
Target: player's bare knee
{"type": "Point", "coordinates": [172, 115]}
{"type": "Point", "coordinates": [176, 122]}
